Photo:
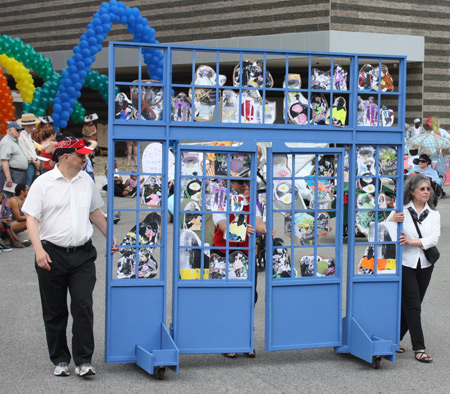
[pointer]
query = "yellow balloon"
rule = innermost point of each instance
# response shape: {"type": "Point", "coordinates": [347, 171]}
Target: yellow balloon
{"type": "Point", "coordinates": [22, 76]}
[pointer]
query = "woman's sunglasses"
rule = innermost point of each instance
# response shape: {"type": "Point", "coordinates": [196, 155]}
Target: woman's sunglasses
{"type": "Point", "coordinates": [422, 161]}
{"type": "Point", "coordinates": [422, 189]}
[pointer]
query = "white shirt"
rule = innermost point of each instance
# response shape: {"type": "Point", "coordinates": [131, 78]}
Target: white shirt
{"type": "Point", "coordinates": [430, 229]}
{"type": "Point", "coordinates": [63, 207]}
{"type": "Point", "coordinates": [27, 145]}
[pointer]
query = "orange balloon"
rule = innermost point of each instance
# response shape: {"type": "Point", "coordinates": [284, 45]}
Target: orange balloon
{"type": "Point", "coordinates": [7, 109]}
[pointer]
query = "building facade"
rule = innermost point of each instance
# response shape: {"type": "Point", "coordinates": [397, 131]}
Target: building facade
{"type": "Point", "coordinates": [413, 28]}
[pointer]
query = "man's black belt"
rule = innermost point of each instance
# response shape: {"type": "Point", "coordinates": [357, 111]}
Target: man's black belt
{"type": "Point", "coordinates": [17, 169]}
{"type": "Point", "coordinates": [68, 249]}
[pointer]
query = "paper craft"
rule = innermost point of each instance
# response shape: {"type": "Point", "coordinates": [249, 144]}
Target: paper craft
{"type": "Point", "coordinates": [297, 104]}
{"type": "Point", "coordinates": [149, 234]}
{"type": "Point", "coordinates": [237, 230]}
{"type": "Point", "coordinates": [252, 74]}
{"type": "Point", "coordinates": [339, 111]}
{"type": "Point", "coordinates": [181, 108]}
{"type": "Point", "coordinates": [151, 101]}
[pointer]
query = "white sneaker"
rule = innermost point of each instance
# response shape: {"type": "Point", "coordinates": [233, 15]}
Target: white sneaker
{"type": "Point", "coordinates": [85, 370]}
{"type": "Point", "coordinates": [5, 249]}
{"type": "Point", "coordinates": [61, 369]}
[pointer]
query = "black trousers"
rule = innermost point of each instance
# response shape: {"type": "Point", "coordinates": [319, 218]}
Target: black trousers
{"type": "Point", "coordinates": [414, 286]}
{"type": "Point", "coordinates": [74, 272]}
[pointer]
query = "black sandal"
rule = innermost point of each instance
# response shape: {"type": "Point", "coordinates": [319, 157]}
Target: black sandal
{"type": "Point", "coordinates": [401, 349]}
{"type": "Point", "coordinates": [422, 357]}
{"type": "Point", "coordinates": [251, 354]}
{"type": "Point", "coordinates": [230, 355]}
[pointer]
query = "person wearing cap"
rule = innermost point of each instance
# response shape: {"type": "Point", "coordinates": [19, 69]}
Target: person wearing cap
{"type": "Point", "coordinates": [89, 129]}
{"type": "Point", "coordinates": [60, 209]}
{"type": "Point", "coordinates": [28, 122]}
{"type": "Point", "coordinates": [417, 129]}
{"type": "Point", "coordinates": [13, 159]}
{"type": "Point", "coordinates": [422, 166]}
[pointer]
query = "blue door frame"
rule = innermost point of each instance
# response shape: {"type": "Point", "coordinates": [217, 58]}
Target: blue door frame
{"type": "Point", "coordinates": [304, 311]}
{"type": "Point", "coordinates": [213, 315]}
{"type": "Point", "coordinates": [362, 331]}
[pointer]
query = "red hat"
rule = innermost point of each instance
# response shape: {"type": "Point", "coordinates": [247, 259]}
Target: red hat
{"type": "Point", "coordinates": [77, 146]}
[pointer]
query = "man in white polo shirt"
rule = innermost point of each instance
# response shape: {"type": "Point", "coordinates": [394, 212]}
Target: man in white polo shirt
{"type": "Point", "coordinates": [60, 207]}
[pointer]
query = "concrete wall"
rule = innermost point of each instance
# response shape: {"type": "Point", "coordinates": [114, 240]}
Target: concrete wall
{"type": "Point", "coordinates": [55, 25]}
{"type": "Point", "coordinates": [429, 82]}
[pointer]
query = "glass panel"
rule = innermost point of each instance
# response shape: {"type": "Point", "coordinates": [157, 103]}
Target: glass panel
{"type": "Point", "coordinates": [388, 160]}
{"type": "Point", "coordinates": [212, 188]}
{"type": "Point", "coordinates": [304, 262]}
{"type": "Point", "coordinates": [365, 160]}
{"type": "Point", "coordinates": [281, 259]}
{"type": "Point", "coordinates": [303, 229]}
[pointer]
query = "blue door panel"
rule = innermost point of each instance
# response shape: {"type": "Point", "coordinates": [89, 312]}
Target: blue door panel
{"type": "Point", "coordinates": [137, 320]}
{"type": "Point", "coordinates": [214, 318]}
{"type": "Point", "coordinates": [306, 315]}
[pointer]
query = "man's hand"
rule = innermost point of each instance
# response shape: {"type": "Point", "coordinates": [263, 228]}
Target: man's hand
{"type": "Point", "coordinates": [43, 260]}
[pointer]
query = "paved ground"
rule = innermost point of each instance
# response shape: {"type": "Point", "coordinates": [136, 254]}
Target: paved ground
{"type": "Point", "coordinates": [25, 368]}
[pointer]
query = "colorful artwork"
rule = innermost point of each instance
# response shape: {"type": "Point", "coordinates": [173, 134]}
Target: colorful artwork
{"type": "Point", "coordinates": [363, 220]}
{"type": "Point", "coordinates": [324, 266]}
{"type": "Point", "coordinates": [323, 224]}
{"type": "Point", "coordinates": [221, 164]}
{"type": "Point", "coordinates": [209, 191]}
{"type": "Point", "coordinates": [149, 233]}
{"type": "Point", "coordinates": [151, 194]}
{"type": "Point", "coordinates": [327, 166]}
{"type": "Point", "coordinates": [365, 160]}
{"type": "Point", "coordinates": [319, 108]}
{"type": "Point", "coordinates": [123, 107]}
{"type": "Point", "coordinates": [387, 116]}
{"type": "Point", "coordinates": [205, 100]}
{"type": "Point", "coordinates": [281, 261]}
{"type": "Point", "coordinates": [321, 80]}
{"type": "Point", "coordinates": [220, 198]}
{"type": "Point", "coordinates": [237, 201]}
{"type": "Point", "coordinates": [297, 104]}
{"type": "Point", "coordinates": [369, 78]}
{"type": "Point", "coordinates": [388, 161]}
{"type": "Point", "coordinates": [324, 193]}
{"type": "Point", "coordinates": [339, 111]}
{"type": "Point", "coordinates": [282, 192]}
{"type": "Point", "coordinates": [193, 189]}
{"type": "Point", "coordinates": [252, 74]}
{"type": "Point", "coordinates": [252, 109]}
{"type": "Point", "coordinates": [230, 106]}
{"type": "Point", "coordinates": [240, 165]}
{"type": "Point", "coordinates": [181, 108]}
{"type": "Point", "coordinates": [237, 230]}
{"type": "Point", "coordinates": [217, 267]}
{"type": "Point", "coordinates": [190, 254]}
{"type": "Point", "coordinates": [190, 164]}
{"type": "Point", "coordinates": [151, 101]}
{"type": "Point", "coordinates": [238, 265]}
{"type": "Point", "coordinates": [384, 265]}
{"type": "Point", "coordinates": [191, 220]}
{"type": "Point", "coordinates": [304, 229]}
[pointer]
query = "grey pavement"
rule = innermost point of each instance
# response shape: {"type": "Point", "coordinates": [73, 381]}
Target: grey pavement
{"type": "Point", "coordinates": [25, 367]}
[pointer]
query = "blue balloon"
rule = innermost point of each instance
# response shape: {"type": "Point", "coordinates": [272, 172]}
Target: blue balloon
{"type": "Point", "coordinates": [62, 123]}
{"type": "Point", "coordinates": [92, 40]}
{"type": "Point", "coordinates": [123, 20]}
{"type": "Point", "coordinates": [86, 52]}
{"type": "Point", "coordinates": [71, 91]}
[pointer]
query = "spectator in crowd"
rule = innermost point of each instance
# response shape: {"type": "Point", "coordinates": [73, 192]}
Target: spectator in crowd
{"type": "Point", "coordinates": [13, 159]}
{"type": "Point", "coordinates": [48, 139]}
{"type": "Point", "coordinates": [120, 189]}
{"type": "Point", "coordinates": [28, 122]}
{"type": "Point", "coordinates": [417, 129]}
{"type": "Point", "coordinates": [13, 209]}
{"type": "Point", "coordinates": [422, 166]}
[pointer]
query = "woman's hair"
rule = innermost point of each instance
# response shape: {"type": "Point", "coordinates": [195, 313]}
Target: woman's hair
{"type": "Point", "coordinates": [19, 188]}
{"type": "Point", "coordinates": [412, 184]}
{"type": "Point", "coordinates": [47, 132]}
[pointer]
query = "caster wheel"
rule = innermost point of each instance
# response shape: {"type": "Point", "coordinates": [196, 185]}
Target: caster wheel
{"type": "Point", "coordinates": [376, 362]}
{"type": "Point", "coordinates": [161, 372]}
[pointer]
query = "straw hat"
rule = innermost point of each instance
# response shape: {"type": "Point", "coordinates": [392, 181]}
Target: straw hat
{"type": "Point", "coordinates": [28, 119]}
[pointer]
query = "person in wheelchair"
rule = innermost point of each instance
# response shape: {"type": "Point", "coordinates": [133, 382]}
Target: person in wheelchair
{"type": "Point", "coordinates": [423, 166]}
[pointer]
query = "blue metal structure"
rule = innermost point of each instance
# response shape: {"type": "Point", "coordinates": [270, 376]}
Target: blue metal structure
{"type": "Point", "coordinates": [214, 314]}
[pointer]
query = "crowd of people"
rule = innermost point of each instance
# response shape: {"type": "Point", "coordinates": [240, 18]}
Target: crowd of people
{"type": "Point", "coordinates": [26, 152]}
